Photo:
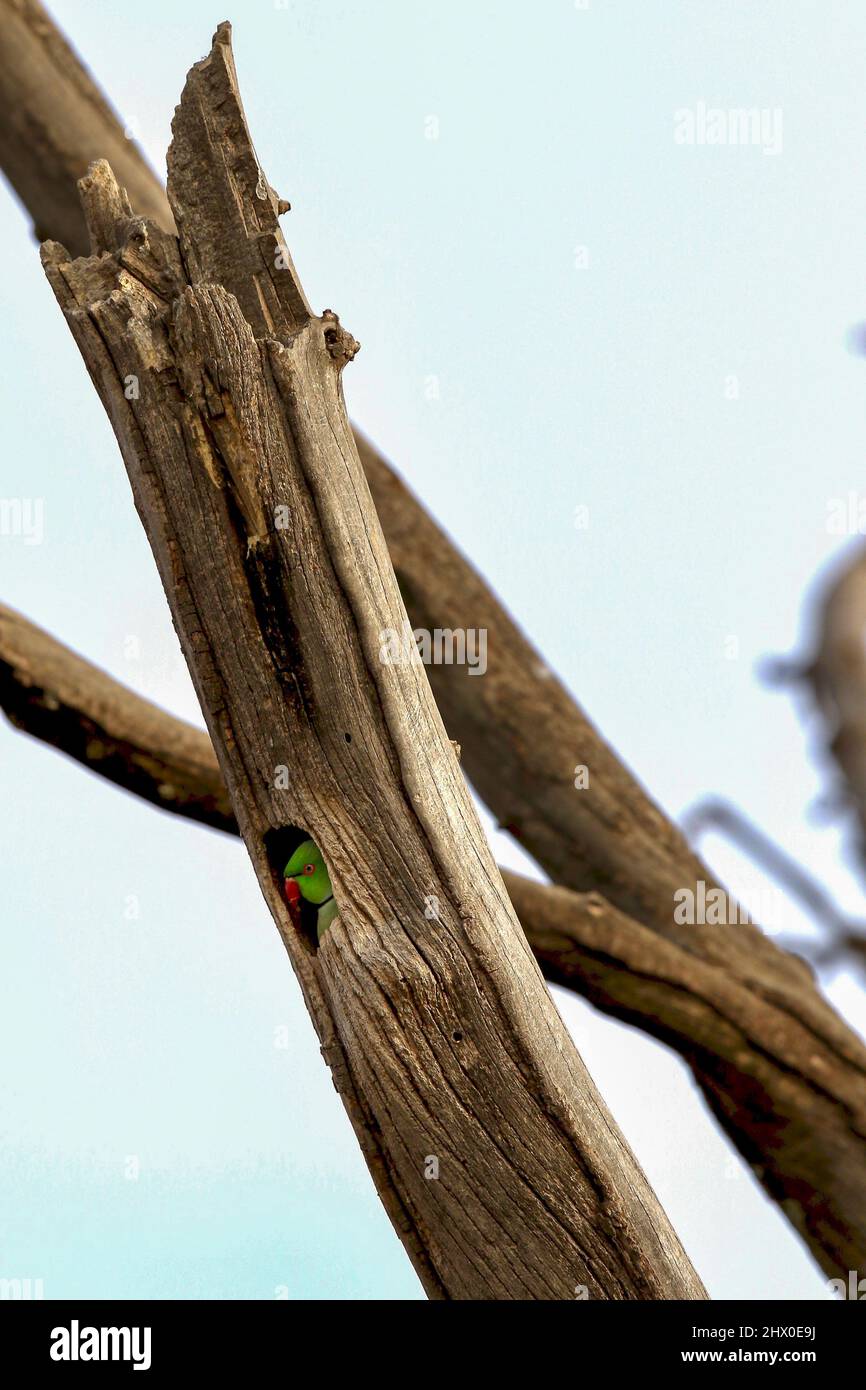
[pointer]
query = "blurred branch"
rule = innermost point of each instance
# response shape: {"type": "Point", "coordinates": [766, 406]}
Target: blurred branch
{"type": "Point", "coordinates": [835, 678]}
{"type": "Point", "coordinates": [842, 935]}
{"type": "Point", "coordinates": [47, 144]}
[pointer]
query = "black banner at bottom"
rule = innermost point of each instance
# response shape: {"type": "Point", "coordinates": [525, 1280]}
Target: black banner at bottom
{"type": "Point", "coordinates": [166, 1338]}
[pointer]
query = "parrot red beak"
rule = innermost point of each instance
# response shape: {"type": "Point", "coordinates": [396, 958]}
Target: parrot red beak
{"type": "Point", "coordinates": [293, 898]}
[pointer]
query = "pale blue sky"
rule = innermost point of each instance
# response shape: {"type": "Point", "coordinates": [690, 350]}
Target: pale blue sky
{"type": "Point", "coordinates": [454, 259]}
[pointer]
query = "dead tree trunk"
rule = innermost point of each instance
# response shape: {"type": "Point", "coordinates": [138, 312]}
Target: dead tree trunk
{"type": "Point", "coordinates": [493, 1154]}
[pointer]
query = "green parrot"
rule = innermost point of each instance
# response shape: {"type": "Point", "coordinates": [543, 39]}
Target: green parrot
{"type": "Point", "coordinates": [306, 877]}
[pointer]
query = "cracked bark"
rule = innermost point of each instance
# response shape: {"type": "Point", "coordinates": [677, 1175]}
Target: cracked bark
{"type": "Point", "coordinates": [224, 392]}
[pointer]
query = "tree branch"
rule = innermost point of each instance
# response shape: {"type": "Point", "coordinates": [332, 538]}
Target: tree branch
{"type": "Point", "coordinates": [48, 691]}
{"type": "Point", "coordinates": [441, 1037]}
{"type": "Point", "coordinates": [54, 121]}
{"type": "Point", "coordinates": [842, 936]}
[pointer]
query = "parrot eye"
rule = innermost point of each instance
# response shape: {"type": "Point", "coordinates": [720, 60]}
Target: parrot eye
{"type": "Point", "coordinates": [309, 869]}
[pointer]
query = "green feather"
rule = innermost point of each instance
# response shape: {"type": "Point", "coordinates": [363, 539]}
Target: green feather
{"type": "Point", "coordinates": [308, 869]}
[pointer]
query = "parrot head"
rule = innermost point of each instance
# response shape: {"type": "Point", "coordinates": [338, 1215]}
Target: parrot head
{"type": "Point", "coordinates": [306, 876]}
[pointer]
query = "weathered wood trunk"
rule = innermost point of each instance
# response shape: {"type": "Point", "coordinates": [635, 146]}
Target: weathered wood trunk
{"type": "Point", "coordinates": [492, 1152]}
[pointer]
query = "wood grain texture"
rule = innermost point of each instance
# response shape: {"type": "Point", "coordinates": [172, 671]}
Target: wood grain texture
{"type": "Point", "coordinates": [441, 1037]}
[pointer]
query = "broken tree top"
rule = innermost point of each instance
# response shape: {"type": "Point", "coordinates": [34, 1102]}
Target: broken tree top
{"type": "Point", "coordinates": [225, 209]}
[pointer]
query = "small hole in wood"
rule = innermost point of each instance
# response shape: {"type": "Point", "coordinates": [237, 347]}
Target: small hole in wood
{"type": "Point", "coordinates": [458, 1037]}
{"type": "Point", "coordinates": [348, 738]}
